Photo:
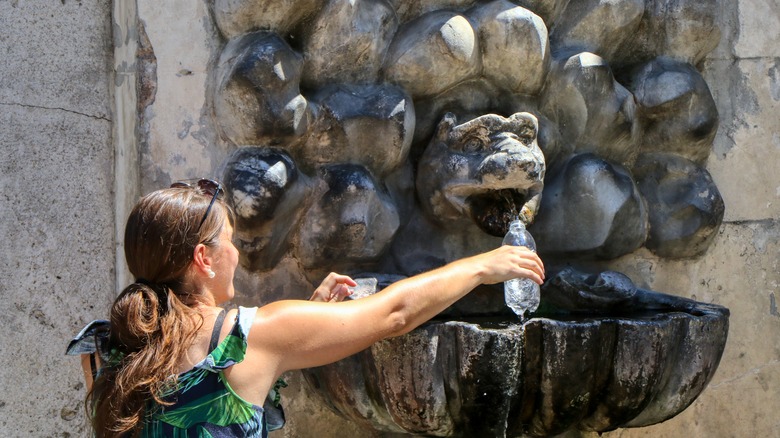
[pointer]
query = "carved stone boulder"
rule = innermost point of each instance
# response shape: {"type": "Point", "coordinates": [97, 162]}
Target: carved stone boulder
{"type": "Point", "coordinates": [258, 99]}
{"type": "Point", "coordinates": [591, 208]}
{"type": "Point", "coordinates": [685, 207]}
{"type": "Point", "coordinates": [593, 111]}
{"type": "Point", "coordinates": [370, 125]}
{"type": "Point", "coordinates": [265, 189]}
{"type": "Point", "coordinates": [433, 53]}
{"type": "Point", "coordinates": [352, 223]}
{"type": "Point", "coordinates": [367, 25]}
{"type": "Point", "coordinates": [677, 113]}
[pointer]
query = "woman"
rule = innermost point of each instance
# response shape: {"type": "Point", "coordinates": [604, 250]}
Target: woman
{"type": "Point", "coordinates": [169, 366]}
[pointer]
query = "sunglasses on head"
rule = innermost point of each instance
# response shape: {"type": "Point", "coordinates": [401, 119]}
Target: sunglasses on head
{"type": "Point", "coordinates": [206, 186]}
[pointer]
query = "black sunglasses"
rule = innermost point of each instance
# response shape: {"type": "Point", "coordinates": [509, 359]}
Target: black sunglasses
{"type": "Point", "coordinates": [206, 186]}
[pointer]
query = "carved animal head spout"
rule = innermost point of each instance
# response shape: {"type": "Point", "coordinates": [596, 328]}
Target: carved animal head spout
{"type": "Point", "coordinates": [488, 171]}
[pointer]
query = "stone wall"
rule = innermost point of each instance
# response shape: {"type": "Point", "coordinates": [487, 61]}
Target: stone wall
{"type": "Point", "coordinates": [56, 207]}
{"type": "Point", "coordinates": [59, 201]}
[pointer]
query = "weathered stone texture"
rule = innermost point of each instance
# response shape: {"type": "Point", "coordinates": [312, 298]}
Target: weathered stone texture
{"type": "Point", "coordinates": [685, 209]}
{"type": "Point", "coordinates": [747, 147]}
{"type": "Point", "coordinates": [678, 113]}
{"type": "Point", "coordinates": [365, 27]}
{"type": "Point", "coordinates": [181, 145]}
{"type": "Point", "coordinates": [593, 111]}
{"type": "Point", "coordinates": [56, 207]}
{"type": "Point", "coordinates": [754, 28]}
{"type": "Point", "coordinates": [539, 378]}
{"type": "Point", "coordinates": [258, 98]}
{"type": "Point", "coordinates": [598, 26]}
{"type": "Point", "coordinates": [56, 219]}
{"type": "Point", "coordinates": [353, 222]}
{"type": "Point", "coordinates": [57, 56]}
{"type": "Point", "coordinates": [487, 171]}
{"type": "Point", "coordinates": [500, 22]}
{"type": "Point", "coordinates": [591, 208]}
{"type": "Point", "coordinates": [441, 46]}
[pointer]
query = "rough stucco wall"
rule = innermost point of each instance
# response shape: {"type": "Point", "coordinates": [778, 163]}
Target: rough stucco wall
{"type": "Point", "coordinates": [56, 207]}
{"type": "Point", "coordinates": [177, 138]}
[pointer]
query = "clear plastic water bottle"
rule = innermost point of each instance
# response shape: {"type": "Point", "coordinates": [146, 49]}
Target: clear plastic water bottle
{"type": "Point", "coordinates": [520, 294]}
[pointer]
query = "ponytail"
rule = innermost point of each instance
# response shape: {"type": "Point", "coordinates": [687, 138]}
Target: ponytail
{"type": "Point", "coordinates": [151, 330]}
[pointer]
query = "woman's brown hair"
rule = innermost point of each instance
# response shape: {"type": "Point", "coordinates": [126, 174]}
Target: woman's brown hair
{"type": "Point", "coordinates": [153, 321]}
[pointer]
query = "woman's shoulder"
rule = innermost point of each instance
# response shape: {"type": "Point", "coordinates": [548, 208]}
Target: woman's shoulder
{"type": "Point", "coordinates": [233, 346]}
{"type": "Point", "coordinates": [238, 322]}
{"type": "Point", "coordinates": [244, 319]}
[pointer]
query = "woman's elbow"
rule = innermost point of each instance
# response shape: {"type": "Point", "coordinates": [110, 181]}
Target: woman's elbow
{"type": "Point", "coordinates": [397, 324]}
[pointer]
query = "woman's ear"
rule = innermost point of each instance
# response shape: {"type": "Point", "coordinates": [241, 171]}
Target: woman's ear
{"type": "Point", "coordinates": [201, 260]}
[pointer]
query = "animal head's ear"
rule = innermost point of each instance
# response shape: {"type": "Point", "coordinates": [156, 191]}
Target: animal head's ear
{"type": "Point", "coordinates": [445, 126]}
{"type": "Point", "coordinates": [525, 126]}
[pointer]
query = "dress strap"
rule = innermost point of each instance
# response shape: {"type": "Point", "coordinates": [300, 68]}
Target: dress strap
{"type": "Point", "coordinates": [216, 330]}
{"type": "Point", "coordinates": [232, 349]}
{"type": "Point", "coordinates": [93, 365]}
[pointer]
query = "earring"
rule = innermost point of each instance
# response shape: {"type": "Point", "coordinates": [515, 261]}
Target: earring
{"type": "Point", "coordinates": [211, 274]}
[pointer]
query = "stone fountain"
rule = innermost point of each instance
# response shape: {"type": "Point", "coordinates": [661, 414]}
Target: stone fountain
{"type": "Point", "coordinates": [382, 138]}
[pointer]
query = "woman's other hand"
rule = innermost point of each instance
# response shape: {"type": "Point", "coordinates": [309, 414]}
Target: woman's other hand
{"type": "Point", "coordinates": [335, 287]}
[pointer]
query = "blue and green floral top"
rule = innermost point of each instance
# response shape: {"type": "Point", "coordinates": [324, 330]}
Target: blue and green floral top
{"type": "Point", "coordinates": [204, 404]}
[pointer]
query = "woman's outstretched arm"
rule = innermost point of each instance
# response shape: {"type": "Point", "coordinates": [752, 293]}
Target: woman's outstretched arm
{"type": "Point", "coordinates": [300, 334]}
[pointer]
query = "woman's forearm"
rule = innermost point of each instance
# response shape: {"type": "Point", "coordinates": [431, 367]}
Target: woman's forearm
{"type": "Point", "coordinates": [420, 298]}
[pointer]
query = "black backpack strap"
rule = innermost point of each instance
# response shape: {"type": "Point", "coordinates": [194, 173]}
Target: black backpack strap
{"type": "Point", "coordinates": [215, 332]}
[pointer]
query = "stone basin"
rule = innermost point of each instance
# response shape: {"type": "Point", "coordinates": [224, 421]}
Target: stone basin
{"type": "Point", "coordinates": [493, 376]}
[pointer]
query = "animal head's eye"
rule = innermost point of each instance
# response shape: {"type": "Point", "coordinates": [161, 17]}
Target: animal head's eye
{"type": "Point", "coordinates": [473, 144]}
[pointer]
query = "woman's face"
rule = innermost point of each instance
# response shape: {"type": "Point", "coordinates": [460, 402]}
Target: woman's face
{"type": "Point", "coordinates": [225, 257]}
